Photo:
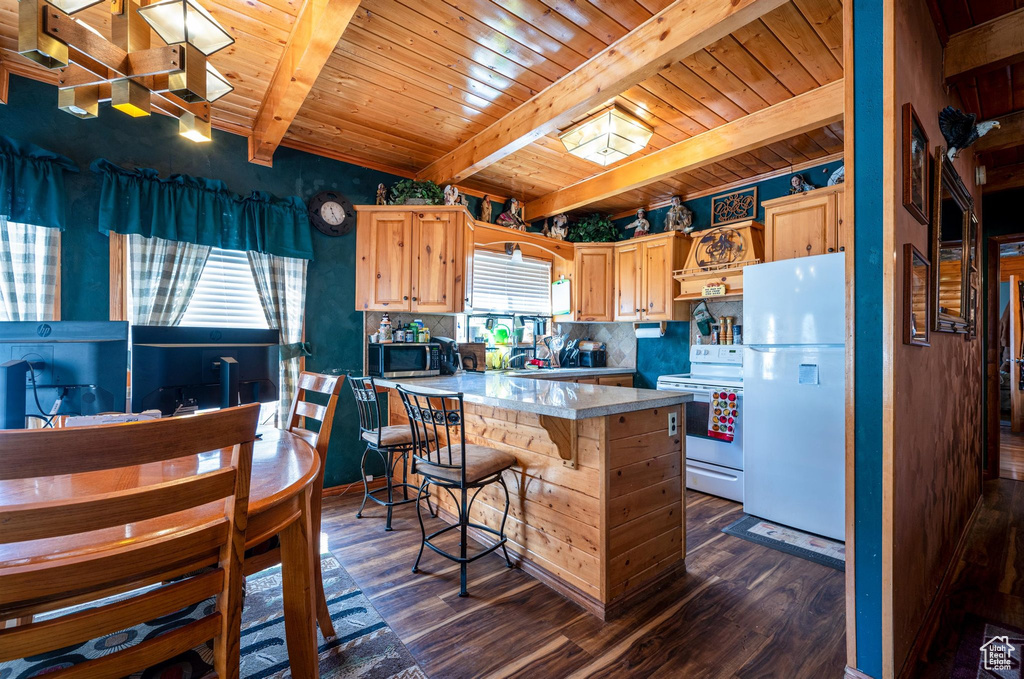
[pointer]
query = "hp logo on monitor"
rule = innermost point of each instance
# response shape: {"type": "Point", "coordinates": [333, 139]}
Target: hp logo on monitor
{"type": "Point", "coordinates": [216, 335]}
{"type": "Point", "coordinates": [44, 330]}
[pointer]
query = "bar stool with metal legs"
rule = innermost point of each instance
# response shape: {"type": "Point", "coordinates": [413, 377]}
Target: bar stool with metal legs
{"type": "Point", "coordinates": [391, 443]}
{"type": "Point", "coordinates": [436, 423]}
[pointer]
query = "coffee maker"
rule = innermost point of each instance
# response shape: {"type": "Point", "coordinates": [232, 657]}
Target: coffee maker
{"type": "Point", "coordinates": [451, 359]}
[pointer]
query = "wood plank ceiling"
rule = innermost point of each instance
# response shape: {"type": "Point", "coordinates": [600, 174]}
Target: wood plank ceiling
{"type": "Point", "coordinates": [993, 93]}
{"type": "Point", "coordinates": [412, 79]}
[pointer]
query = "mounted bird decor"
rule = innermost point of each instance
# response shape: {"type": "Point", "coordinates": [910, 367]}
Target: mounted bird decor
{"type": "Point", "coordinates": [960, 130]}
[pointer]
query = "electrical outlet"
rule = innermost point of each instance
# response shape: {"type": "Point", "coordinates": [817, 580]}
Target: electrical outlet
{"type": "Point", "coordinates": [369, 478]}
{"type": "Point", "coordinates": [673, 424]}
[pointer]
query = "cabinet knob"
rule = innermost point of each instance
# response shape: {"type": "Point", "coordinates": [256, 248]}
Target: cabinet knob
{"type": "Point", "coordinates": [831, 249]}
{"type": "Point", "coordinates": [842, 248]}
{"type": "Point", "coordinates": [638, 311]}
{"type": "Point", "coordinates": [808, 247]}
{"type": "Point", "coordinates": [406, 297]}
{"type": "Point", "coordinates": [414, 299]}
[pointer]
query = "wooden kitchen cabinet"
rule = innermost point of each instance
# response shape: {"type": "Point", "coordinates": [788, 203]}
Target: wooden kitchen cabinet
{"type": "Point", "coordinates": [594, 283]}
{"type": "Point", "coordinates": [805, 224]}
{"type": "Point", "coordinates": [645, 289]}
{"type": "Point", "coordinates": [413, 258]}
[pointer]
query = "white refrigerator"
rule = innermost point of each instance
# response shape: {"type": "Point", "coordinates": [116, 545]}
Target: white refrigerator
{"type": "Point", "coordinates": [794, 387]}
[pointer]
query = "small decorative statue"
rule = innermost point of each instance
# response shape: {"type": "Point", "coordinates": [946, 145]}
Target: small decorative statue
{"type": "Point", "coordinates": [960, 130]}
{"type": "Point", "coordinates": [679, 217]}
{"type": "Point", "coordinates": [797, 184]}
{"type": "Point", "coordinates": [838, 177]}
{"type": "Point", "coordinates": [512, 217]}
{"type": "Point", "coordinates": [546, 229]}
{"type": "Point", "coordinates": [640, 224]}
{"type": "Point", "coordinates": [485, 209]}
{"type": "Point", "coordinates": [382, 195]}
{"type": "Point", "coordinates": [561, 228]}
{"type": "Point", "coordinates": [451, 195]}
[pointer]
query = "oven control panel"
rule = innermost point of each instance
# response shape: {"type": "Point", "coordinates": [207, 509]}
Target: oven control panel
{"type": "Point", "coordinates": [716, 353]}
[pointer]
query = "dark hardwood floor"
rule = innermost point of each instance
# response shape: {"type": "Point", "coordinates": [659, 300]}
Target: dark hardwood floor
{"type": "Point", "coordinates": [741, 610]}
{"type": "Point", "coordinates": [1011, 455]}
{"type": "Point", "coordinates": [988, 580]}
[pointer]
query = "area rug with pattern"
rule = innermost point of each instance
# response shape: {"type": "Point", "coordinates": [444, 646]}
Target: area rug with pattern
{"type": "Point", "coordinates": [364, 648]}
{"type": "Point", "coordinates": [831, 553]}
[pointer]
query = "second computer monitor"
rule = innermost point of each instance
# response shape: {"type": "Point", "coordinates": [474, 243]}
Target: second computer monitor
{"type": "Point", "coordinates": [174, 367]}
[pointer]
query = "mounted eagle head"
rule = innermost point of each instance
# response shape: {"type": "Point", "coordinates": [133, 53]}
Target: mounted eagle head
{"type": "Point", "coordinates": [960, 130]}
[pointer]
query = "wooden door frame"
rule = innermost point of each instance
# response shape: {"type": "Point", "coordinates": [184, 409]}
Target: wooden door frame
{"type": "Point", "coordinates": [992, 351]}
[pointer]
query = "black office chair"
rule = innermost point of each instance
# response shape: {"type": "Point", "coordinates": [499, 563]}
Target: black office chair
{"type": "Point", "coordinates": [435, 421]}
{"type": "Point", "coordinates": [392, 443]}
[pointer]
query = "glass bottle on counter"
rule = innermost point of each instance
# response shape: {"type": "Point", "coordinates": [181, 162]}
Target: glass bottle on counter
{"type": "Point", "coordinates": [386, 336]}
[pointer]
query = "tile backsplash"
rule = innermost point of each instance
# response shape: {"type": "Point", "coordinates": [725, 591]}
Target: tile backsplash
{"type": "Point", "coordinates": [438, 325]}
{"type": "Point", "coordinates": [718, 309]}
{"type": "Point", "coordinates": [619, 340]}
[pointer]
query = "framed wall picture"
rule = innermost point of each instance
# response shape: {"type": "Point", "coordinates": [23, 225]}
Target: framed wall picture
{"type": "Point", "coordinates": [915, 165]}
{"type": "Point", "coordinates": [737, 206]}
{"type": "Point", "coordinates": [916, 293]}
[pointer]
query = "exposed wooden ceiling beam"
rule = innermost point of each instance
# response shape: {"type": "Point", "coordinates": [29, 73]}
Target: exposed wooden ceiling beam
{"type": "Point", "coordinates": [1006, 177]}
{"type": "Point", "coordinates": [1009, 134]}
{"type": "Point", "coordinates": [995, 43]}
{"type": "Point", "coordinates": [676, 32]}
{"type": "Point", "coordinates": [808, 111]}
{"type": "Point", "coordinates": [315, 34]}
{"type": "Point", "coordinates": [5, 79]}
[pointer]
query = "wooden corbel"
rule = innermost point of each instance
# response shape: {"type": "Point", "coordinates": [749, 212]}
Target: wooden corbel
{"type": "Point", "coordinates": [563, 435]}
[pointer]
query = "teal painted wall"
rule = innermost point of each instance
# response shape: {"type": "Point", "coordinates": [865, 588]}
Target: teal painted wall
{"type": "Point", "coordinates": [332, 326]}
{"type": "Point", "coordinates": [671, 354]}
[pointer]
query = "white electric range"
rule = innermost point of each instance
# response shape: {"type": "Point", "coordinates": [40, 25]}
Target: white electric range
{"type": "Point", "coordinates": [712, 465]}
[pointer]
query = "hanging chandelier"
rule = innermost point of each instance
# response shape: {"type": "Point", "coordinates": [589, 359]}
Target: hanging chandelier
{"type": "Point", "coordinates": [127, 70]}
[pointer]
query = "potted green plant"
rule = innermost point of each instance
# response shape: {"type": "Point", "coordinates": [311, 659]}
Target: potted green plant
{"type": "Point", "coordinates": [412, 192]}
{"type": "Point", "coordinates": [593, 228]}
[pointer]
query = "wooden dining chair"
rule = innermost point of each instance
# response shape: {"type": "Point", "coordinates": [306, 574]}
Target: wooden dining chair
{"type": "Point", "coordinates": [172, 542]}
{"type": "Point", "coordinates": [328, 386]}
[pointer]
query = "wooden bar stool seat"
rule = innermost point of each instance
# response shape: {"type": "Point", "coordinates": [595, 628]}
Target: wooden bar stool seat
{"type": "Point", "coordinates": [480, 462]}
{"type": "Point", "coordinates": [390, 436]}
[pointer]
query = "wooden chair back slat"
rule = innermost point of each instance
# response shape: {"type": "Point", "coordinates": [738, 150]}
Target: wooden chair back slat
{"type": "Point", "coordinates": [110, 567]}
{"type": "Point", "coordinates": [31, 453]}
{"type": "Point", "coordinates": [92, 623]}
{"type": "Point", "coordinates": [131, 660]}
{"type": "Point", "coordinates": [313, 410]}
{"type": "Point", "coordinates": [42, 520]}
{"type": "Point", "coordinates": [326, 385]}
{"type": "Point", "coordinates": [128, 565]}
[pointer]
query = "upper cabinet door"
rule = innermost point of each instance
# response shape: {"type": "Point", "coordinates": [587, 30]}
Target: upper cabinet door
{"type": "Point", "coordinates": [383, 271]}
{"type": "Point", "coordinates": [801, 227]}
{"type": "Point", "coordinates": [628, 282]}
{"type": "Point", "coordinates": [658, 284]}
{"type": "Point", "coordinates": [435, 240]}
{"type": "Point", "coordinates": [594, 269]}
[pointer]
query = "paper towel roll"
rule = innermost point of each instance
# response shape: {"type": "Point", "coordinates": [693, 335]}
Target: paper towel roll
{"type": "Point", "coordinates": [648, 331]}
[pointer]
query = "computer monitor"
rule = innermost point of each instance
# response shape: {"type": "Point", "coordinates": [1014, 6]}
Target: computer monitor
{"type": "Point", "coordinates": [177, 368]}
{"type": "Point", "coordinates": [74, 368]}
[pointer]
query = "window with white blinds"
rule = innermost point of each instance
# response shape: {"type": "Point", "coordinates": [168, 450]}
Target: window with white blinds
{"type": "Point", "coordinates": [226, 295]}
{"type": "Point", "coordinates": [503, 286]}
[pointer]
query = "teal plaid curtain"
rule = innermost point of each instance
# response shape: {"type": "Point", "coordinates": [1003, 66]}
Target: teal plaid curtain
{"type": "Point", "coordinates": [28, 271]}
{"type": "Point", "coordinates": [32, 184]}
{"type": "Point", "coordinates": [201, 211]}
{"type": "Point", "coordinates": [164, 275]}
{"type": "Point", "coordinates": [281, 283]}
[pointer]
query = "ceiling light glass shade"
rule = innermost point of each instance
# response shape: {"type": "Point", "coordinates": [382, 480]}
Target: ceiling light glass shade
{"type": "Point", "coordinates": [607, 136]}
{"type": "Point", "coordinates": [216, 84]}
{"type": "Point", "coordinates": [72, 6]}
{"type": "Point", "coordinates": [194, 129]}
{"type": "Point", "coordinates": [178, 21]}
{"type": "Point", "coordinates": [130, 97]}
{"type": "Point", "coordinates": [81, 102]}
{"type": "Point", "coordinates": [517, 255]}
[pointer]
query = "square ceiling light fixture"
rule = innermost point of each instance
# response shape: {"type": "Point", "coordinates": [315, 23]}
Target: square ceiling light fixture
{"type": "Point", "coordinates": [607, 136]}
{"type": "Point", "coordinates": [178, 21]}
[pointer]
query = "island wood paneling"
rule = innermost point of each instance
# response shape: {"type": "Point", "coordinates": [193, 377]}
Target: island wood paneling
{"type": "Point", "coordinates": [605, 528]}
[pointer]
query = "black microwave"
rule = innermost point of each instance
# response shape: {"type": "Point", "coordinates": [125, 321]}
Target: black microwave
{"type": "Point", "coordinates": [404, 359]}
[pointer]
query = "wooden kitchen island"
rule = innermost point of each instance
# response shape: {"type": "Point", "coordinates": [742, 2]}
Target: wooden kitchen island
{"type": "Point", "coordinates": [597, 497]}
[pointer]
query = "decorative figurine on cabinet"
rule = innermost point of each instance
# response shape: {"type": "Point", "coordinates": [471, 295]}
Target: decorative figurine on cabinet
{"type": "Point", "coordinates": [485, 209]}
{"type": "Point", "coordinates": [838, 177]}
{"type": "Point", "coordinates": [512, 217]}
{"type": "Point", "coordinates": [797, 184]}
{"type": "Point", "coordinates": [640, 224]}
{"type": "Point", "coordinates": [960, 131]}
{"type": "Point", "coordinates": [451, 195]}
{"type": "Point", "coordinates": [679, 217]}
{"type": "Point", "coordinates": [382, 194]}
{"type": "Point", "coordinates": [560, 231]}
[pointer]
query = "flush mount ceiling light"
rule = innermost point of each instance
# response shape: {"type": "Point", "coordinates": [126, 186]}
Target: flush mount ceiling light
{"type": "Point", "coordinates": [176, 80]}
{"type": "Point", "coordinates": [607, 136]}
{"type": "Point", "coordinates": [178, 21]}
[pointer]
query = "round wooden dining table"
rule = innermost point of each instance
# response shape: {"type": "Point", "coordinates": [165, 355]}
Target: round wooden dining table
{"type": "Point", "coordinates": [284, 467]}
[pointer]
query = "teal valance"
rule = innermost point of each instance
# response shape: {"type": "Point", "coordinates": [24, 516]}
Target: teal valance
{"type": "Point", "coordinates": [32, 184]}
{"type": "Point", "coordinates": [202, 211]}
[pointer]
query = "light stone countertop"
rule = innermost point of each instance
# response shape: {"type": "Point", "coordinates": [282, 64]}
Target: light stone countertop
{"type": "Point", "coordinates": [566, 400]}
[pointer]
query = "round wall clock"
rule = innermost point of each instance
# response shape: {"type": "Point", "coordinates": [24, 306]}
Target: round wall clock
{"type": "Point", "coordinates": [331, 213]}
